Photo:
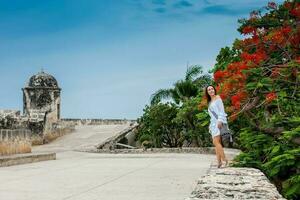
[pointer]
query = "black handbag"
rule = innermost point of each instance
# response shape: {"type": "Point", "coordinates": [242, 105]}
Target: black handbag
{"type": "Point", "coordinates": [225, 132]}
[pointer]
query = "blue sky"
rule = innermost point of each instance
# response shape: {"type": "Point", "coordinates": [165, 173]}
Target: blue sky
{"type": "Point", "coordinates": [109, 56]}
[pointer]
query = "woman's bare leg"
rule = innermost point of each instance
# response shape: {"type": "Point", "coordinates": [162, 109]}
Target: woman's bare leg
{"type": "Point", "coordinates": [219, 149]}
{"type": "Point", "coordinates": [219, 159]}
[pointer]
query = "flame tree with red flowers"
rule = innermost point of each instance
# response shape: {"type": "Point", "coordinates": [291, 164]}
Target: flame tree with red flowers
{"type": "Point", "coordinates": [258, 80]}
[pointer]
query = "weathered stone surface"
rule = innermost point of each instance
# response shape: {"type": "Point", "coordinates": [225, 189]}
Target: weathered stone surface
{"type": "Point", "coordinates": [25, 158]}
{"type": "Point", "coordinates": [230, 153]}
{"type": "Point", "coordinates": [206, 150]}
{"type": "Point", "coordinates": [42, 79]}
{"type": "Point", "coordinates": [14, 141]}
{"type": "Point", "coordinates": [41, 102]}
{"type": "Point", "coordinates": [110, 143]}
{"type": "Point", "coordinates": [235, 183]}
{"type": "Point", "coordinates": [94, 122]}
{"type": "Point", "coordinates": [10, 119]}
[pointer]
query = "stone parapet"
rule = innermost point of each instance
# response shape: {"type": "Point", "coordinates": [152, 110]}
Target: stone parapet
{"type": "Point", "coordinates": [230, 153]}
{"type": "Point", "coordinates": [56, 130]}
{"type": "Point", "coordinates": [19, 159]}
{"type": "Point", "coordinates": [14, 141]}
{"type": "Point", "coordinates": [98, 121]}
{"type": "Point", "coordinates": [110, 143]}
{"type": "Point", "coordinates": [196, 150]}
{"type": "Point", "coordinates": [234, 183]}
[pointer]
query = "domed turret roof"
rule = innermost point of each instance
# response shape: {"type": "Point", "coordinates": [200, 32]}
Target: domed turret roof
{"type": "Point", "coordinates": [42, 79]}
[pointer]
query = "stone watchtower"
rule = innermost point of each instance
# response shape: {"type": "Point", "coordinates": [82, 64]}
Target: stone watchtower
{"type": "Point", "coordinates": [41, 99]}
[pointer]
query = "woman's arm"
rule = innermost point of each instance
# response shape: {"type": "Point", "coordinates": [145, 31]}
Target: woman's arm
{"type": "Point", "coordinates": [221, 112]}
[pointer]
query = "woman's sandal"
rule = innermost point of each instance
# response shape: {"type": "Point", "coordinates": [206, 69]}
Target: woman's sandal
{"type": "Point", "coordinates": [219, 164]}
{"type": "Point", "coordinates": [226, 163]}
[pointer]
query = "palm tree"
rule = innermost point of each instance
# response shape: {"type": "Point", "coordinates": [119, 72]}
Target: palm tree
{"type": "Point", "coordinates": [183, 89]}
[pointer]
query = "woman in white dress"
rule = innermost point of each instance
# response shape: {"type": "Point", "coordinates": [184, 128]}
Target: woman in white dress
{"type": "Point", "coordinates": [215, 104]}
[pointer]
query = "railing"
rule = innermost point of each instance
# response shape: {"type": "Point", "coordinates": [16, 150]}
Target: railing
{"type": "Point", "coordinates": [11, 134]}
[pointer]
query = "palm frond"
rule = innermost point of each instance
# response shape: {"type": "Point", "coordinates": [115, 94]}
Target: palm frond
{"type": "Point", "coordinates": [160, 95]}
{"type": "Point", "coordinates": [186, 89]}
{"type": "Point", "coordinates": [203, 81]}
{"type": "Point", "coordinates": [192, 72]}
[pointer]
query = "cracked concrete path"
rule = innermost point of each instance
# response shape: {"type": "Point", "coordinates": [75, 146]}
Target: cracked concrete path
{"type": "Point", "coordinates": [89, 176]}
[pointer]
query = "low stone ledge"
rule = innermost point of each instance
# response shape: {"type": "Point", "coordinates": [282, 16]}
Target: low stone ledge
{"type": "Point", "coordinates": [19, 159]}
{"type": "Point", "coordinates": [98, 121]}
{"type": "Point", "coordinates": [235, 183]}
{"type": "Point", "coordinates": [111, 142]}
{"type": "Point", "coordinates": [196, 150]}
{"type": "Point", "coordinates": [150, 150]}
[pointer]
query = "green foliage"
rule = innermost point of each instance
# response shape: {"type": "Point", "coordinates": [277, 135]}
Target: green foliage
{"type": "Point", "coordinates": [172, 125]}
{"type": "Point", "coordinates": [291, 187]}
{"type": "Point", "coordinates": [280, 164]}
{"type": "Point", "coordinates": [226, 55]}
{"type": "Point", "coordinates": [167, 125]}
{"type": "Point", "coordinates": [278, 157]}
{"type": "Point", "coordinates": [184, 89]}
{"type": "Point", "coordinates": [195, 127]}
{"type": "Point", "coordinates": [145, 137]}
{"type": "Point", "coordinates": [157, 125]}
{"type": "Point", "coordinates": [248, 159]}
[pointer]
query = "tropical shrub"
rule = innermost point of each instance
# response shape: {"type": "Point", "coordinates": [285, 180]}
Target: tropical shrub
{"type": "Point", "coordinates": [180, 122]}
{"type": "Point", "coordinates": [157, 126]}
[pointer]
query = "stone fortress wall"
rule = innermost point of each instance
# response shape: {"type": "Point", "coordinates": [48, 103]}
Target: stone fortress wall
{"type": "Point", "coordinates": [15, 141]}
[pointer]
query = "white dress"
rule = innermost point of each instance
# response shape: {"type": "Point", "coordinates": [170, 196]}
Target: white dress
{"type": "Point", "coordinates": [218, 107]}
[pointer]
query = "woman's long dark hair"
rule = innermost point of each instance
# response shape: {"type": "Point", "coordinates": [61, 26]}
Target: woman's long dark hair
{"type": "Point", "coordinates": [207, 95]}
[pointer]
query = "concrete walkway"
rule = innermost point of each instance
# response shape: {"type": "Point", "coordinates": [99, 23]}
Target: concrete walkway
{"type": "Point", "coordinates": [88, 176]}
{"type": "Point", "coordinates": [82, 137]}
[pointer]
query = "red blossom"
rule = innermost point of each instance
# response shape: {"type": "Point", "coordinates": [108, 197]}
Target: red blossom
{"type": "Point", "coordinates": [218, 75]}
{"type": "Point", "coordinates": [236, 101]}
{"type": "Point", "coordinates": [278, 37]}
{"type": "Point", "coordinates": [286, 30]}
{"type": "Point", "coordinates": [271, 96]}
{"type": "Point", "coordinates": [295, 40]}
{"type": "Point", "coordinates": [248, 29]}
{"type": "Point", "coordinates": [243, 66]}
{"type": "Point", "coordinates": [296, 10]}
{"type": "Point", "coordinates": [263, 43]}
{"type": "Point", "coordinates": [275, 72]}
{"type": "Point", "coordinates": [223, 96]}
{"type": "Point", "coordinates": [218, 87]}
{"type": "Point", "coordinates": [254, 57]}
{"type": "Point", "coordinates": [237, 98]}
{"type": "Point", "coordinates": [287, 5]}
